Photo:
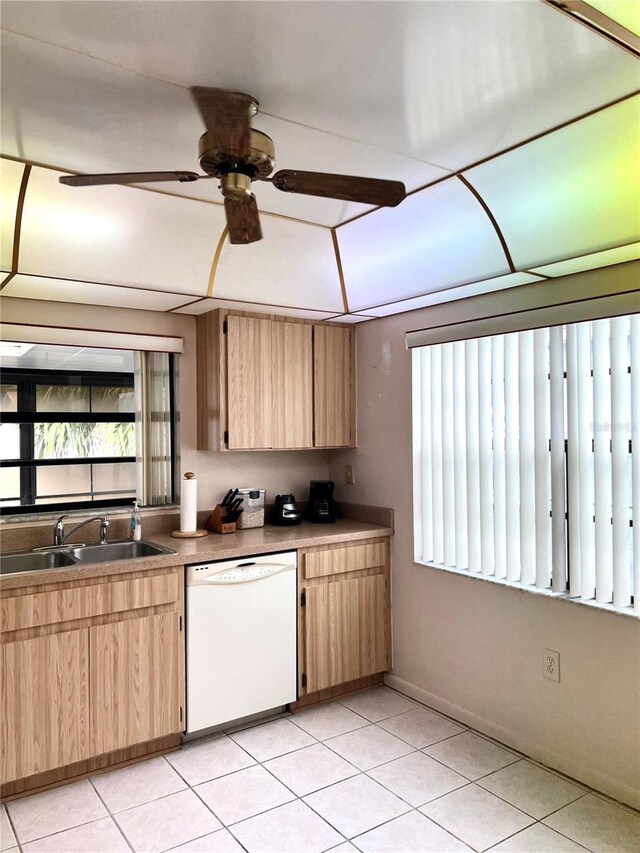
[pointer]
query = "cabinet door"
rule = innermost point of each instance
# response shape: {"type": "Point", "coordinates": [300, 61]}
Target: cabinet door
{"type": "Point", "coordinates": [334, 391]}
{"type": "Point", "coordinates": [292, 385]}
{"type": "Point", "coordinates": [44, 705]}
{"type": "Point", "coordinates": [249, 382]}
{"type": "Point", "coordinates": [346, 633]}
{"type": "Point", "coordinates": [135, 694]}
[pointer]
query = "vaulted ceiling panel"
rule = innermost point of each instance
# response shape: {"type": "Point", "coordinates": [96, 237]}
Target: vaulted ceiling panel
{"type": "Point", "coordinates": [205, 305]}
{"type": "Point", "coordinates": [515, 279]}
{"type": "Point", "coordinates": [88, 293]}
{"type": "Point", "coordinates": [71, 111]}
{"type": "Point", "coordinates": [570, 193]}
{"type": "Point", "coordinates": [117, 235]}
{"type": "Point", "coordinates": [294, 264]}
{"type": "Point", "coordinates": [449, 83]}
{"type": "Point", "coordinates": [304, 148]}
{"type": "Point", "coordinates": [435, 239]}
{"type": "Point", "coordinates": [620, 255]}
{"type": "Point", "coordinates": [10, 180]}
{"type": "Point", "coordinates": [68, 110]}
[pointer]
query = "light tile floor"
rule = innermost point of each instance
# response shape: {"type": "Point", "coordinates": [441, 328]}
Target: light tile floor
{"type": "Point", "coordinates": [373, 771]}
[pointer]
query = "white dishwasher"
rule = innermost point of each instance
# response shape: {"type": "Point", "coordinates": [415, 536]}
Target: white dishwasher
{"type": "Point", "coordinates": [241, 638]}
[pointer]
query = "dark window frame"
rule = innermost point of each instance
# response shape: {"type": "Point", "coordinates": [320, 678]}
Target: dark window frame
{"type": "Point", "coordinates": [26, 381]}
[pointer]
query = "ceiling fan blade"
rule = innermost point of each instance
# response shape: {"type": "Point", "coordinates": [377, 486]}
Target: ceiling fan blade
{"type": "Point", "coordinates": [345, 187]}
{"type": "Point", "coordinates": [127, 178]}
{"type": "Point", "coordinates": [227, 117]}
{"type": "Point", "coordinates": [243, 220]}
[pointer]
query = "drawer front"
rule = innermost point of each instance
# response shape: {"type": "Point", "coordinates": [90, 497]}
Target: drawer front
{"type": "Point", "coordinates": [352, 558]}
{"type": "Point", "coordinates": [66, 605]}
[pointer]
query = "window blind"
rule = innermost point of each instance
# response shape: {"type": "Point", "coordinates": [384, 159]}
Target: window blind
{"type": "Point", "coordinates": [153, 428]}
{"type": "Point", "coordinates": [524, 468]}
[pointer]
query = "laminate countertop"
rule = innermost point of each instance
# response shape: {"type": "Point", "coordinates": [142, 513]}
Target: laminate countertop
{"type": "Point", "coordinates": [215, 546]}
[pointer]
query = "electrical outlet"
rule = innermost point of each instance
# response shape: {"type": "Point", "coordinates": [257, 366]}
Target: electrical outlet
{"type": "Point", "coordinates": [552, 665]}
{"type": "Point", "coordinates": [348, 475]}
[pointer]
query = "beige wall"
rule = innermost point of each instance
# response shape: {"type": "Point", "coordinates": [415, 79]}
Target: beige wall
{"type": "Point", "coordinates": [475, 649]}
{"type": "Point", "coordinates": [277, 472]}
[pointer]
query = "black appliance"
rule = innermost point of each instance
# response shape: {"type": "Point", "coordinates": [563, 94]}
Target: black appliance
{"type": "Point", "coordinates": [322, 507]}
{"type": "Point", "coordinates": [285, 510]}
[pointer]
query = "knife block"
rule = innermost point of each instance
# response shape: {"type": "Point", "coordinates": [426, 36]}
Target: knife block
{"type": "Point", "coordinates": [217, 522]}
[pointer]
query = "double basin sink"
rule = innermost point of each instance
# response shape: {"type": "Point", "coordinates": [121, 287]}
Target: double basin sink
{"type": "Point", "coordinates": [71, 555]}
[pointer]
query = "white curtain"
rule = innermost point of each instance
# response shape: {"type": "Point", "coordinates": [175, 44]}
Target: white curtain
{"type": "Point", "coordinates": [523, 458]}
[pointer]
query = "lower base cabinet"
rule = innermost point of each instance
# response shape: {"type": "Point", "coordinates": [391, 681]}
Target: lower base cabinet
{"type": "Point", "coordinates": [134, 681]}
{"type": "Point", "coordinates": [344, 615]}
{"type": "Point", "coordinates": [88, 670]}
{"type": "Point", "coordinates": [44, 709]}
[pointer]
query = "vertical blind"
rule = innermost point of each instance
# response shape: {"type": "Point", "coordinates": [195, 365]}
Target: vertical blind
{"type": "Point", "coordinates": [153, 428]}
{"type": "Point", "coordinates": [524, 468]}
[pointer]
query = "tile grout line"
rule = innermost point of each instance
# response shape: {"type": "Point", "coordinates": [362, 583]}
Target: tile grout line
{"type": "Point", "coordinates": [584, 790]}
{"type": "Point", "coordinates": [110, 813]}
{"type": "Point", "coordinates": [522, 755]}
{"type": "Point", "coordinates": [12, 827]}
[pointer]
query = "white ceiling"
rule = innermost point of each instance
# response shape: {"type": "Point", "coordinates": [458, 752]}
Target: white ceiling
{"type": "Point", "coordinates": [388, 89]}
{"type": "Point", "coordinates": [403, 90]}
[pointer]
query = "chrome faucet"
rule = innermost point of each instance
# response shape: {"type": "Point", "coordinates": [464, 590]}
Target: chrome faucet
{"type": "Point", "coordinates": [60, 537]}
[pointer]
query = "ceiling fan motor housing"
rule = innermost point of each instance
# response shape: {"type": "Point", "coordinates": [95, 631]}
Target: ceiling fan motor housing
{"type": "Point", "coordinates": [258, 164]}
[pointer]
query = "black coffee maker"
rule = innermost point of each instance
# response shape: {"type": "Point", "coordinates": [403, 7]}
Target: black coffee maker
{"type": "Point", "coordinates": [322, 507]}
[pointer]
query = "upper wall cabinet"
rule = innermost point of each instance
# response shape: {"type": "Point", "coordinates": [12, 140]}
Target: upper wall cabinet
{"type": "Point", "coordinates": [570, 193]}
{"type": "Point", "coordinates": [272, 383]}
{"type": "Point", "coordinates": [333, 385]}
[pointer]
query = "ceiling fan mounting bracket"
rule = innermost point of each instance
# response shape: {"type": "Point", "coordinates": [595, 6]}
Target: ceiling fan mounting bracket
{"type": "Point", "coordinates": [257, 165]}
{"type": "Point", "coordinates": [235, 186]}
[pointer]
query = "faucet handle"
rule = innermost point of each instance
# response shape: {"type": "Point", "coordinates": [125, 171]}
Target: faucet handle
{"type": "Point", "coordinates": [104, 527]}
{"type": "Point", "coordinates": [58, 530]}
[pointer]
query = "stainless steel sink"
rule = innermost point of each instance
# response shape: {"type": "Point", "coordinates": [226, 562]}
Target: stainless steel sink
{"type": "Point", "coordinates": [70, 555]}
{"type": "Point", "coordinates": [34, 561]}
{"type": "Point", "coordinates": [117, 551]}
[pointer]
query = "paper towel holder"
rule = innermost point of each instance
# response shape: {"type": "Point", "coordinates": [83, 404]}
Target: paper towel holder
{"type": "Point", "coordinates": [193, 534]}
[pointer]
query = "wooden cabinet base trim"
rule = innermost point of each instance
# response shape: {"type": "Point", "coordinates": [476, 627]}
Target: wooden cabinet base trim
{"type": "Point", "coordinates": [89, 767]}
{"type": "Point", "coordinates": [338, 690]}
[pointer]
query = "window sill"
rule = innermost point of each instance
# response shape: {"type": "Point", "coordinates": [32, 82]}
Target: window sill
{"type": "Point", "coordinates": [546, 593]}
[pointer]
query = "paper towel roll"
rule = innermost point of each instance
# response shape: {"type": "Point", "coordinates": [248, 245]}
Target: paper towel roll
{"type": "Point", "coordinates": [189, 504]}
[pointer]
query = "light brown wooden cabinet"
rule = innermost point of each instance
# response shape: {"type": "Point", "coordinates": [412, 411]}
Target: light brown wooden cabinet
{"type": "Point", "coordinates": [45, 703]}
{"type": "Point", "coordinates": [333, 386]}
{"type": "Point", "coordinates": [274, 383]}
{"type": "Point", "coordinates": [344, 614]}
{"type": "Point", "coordinates": [92, 672]}
{"type": "Point", "coordinates": [135, 691]}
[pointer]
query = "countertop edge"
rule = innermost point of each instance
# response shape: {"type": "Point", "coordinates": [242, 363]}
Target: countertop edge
{"type": "Point", "coordinates": [263, 540]}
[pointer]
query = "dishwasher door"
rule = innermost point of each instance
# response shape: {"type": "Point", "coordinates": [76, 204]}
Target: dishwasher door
{"type": "Point", "coordinates": [241, 638]}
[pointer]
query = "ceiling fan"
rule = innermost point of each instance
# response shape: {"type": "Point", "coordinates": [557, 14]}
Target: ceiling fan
{"type": "Point", "coordinates": [237, 154]}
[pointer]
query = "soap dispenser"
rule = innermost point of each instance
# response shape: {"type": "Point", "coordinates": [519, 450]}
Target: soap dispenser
{"type": "Point", "coordinates": [135, 529]}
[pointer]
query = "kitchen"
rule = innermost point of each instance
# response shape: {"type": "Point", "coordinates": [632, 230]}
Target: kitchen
{"type": "Point", "coordinates": [325, 373]}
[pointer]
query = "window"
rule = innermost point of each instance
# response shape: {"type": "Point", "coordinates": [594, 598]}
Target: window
{"type": "Point", "coordinates": [84, 428]}
{"type": "Point", "coordinates": [524, 464]}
